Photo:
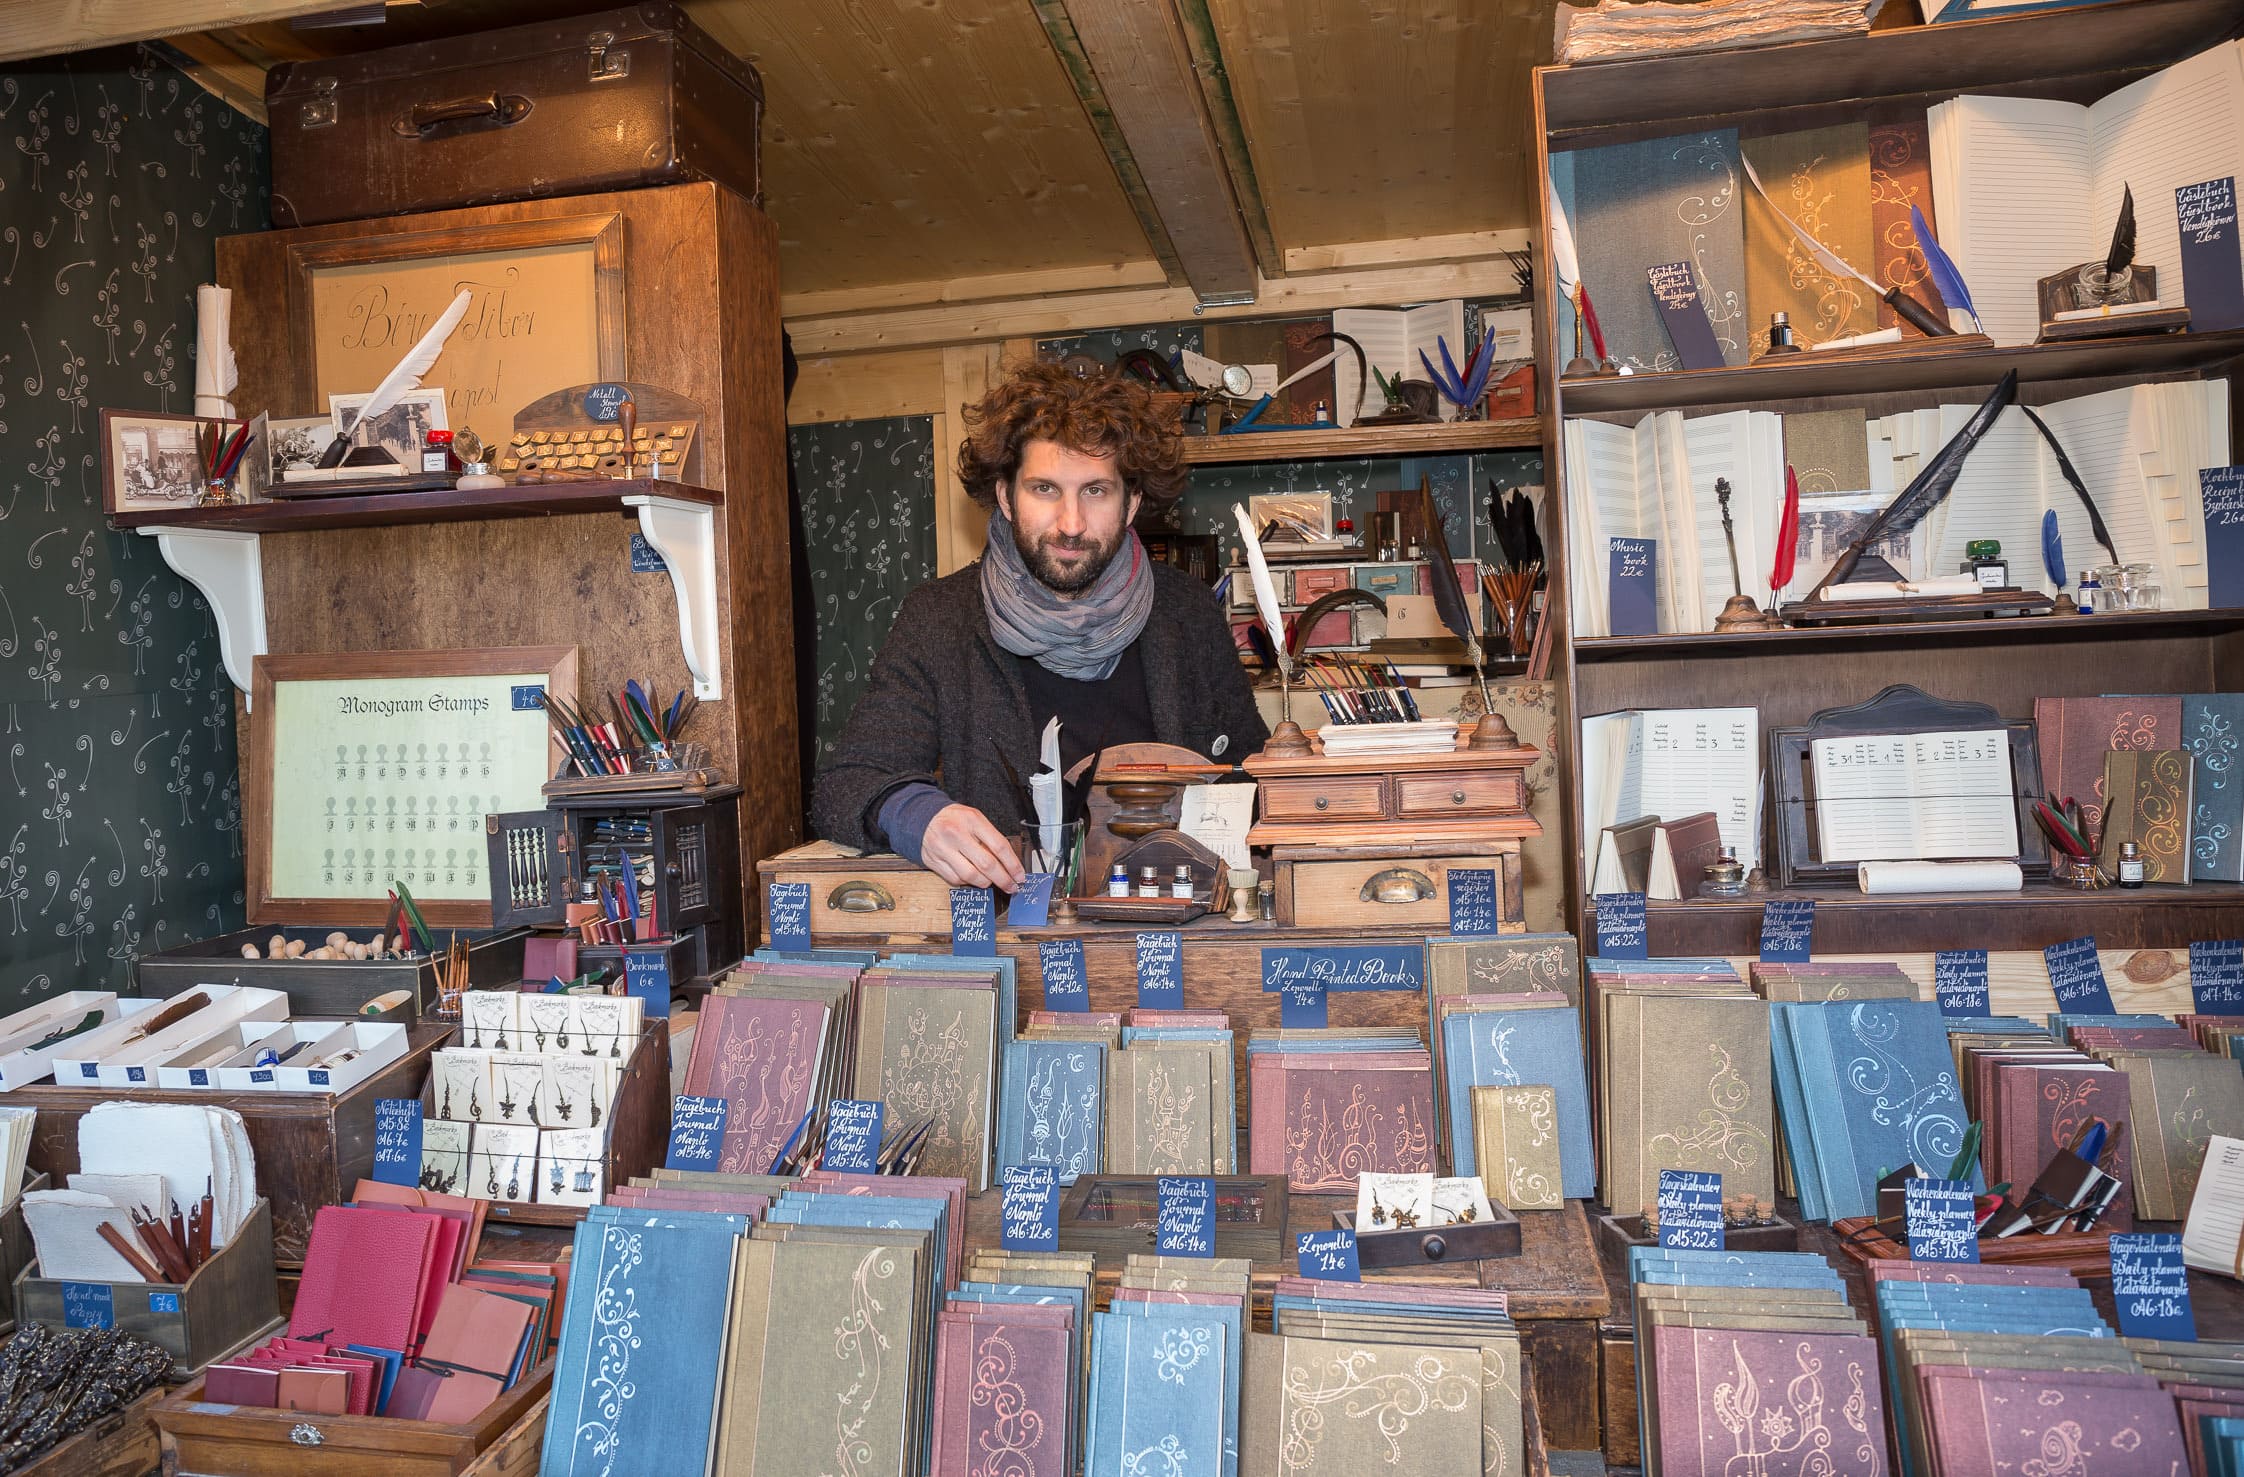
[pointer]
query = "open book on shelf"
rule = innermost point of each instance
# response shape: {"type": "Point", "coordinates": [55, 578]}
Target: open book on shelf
{"type": "Point", "coordinates": [1392, 339]}
{"type": "Point", "coordinates": [1914, 796]}
{"type": "Point", "coordinates": [1673, 762]}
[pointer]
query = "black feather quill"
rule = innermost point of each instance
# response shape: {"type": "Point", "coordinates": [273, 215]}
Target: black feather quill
{"type": "Point", "coordinates": [1928, 490]}
{"type": "Point", "coordinates": [2096, 527]}
{"type": "Point", "coordinates": [1449, 596]}
{"type": "Point", "coordinates": [2122, 254]}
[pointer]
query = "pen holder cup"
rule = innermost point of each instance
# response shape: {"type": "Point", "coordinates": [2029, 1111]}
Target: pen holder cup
{"type": "Point", "coordinates": [2083, 875]}
{"type": "Point", "coordinates": [1055, 849]}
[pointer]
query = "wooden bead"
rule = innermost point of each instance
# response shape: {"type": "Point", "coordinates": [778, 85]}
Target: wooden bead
{"type": "Point", "coordinates": [249, 951]}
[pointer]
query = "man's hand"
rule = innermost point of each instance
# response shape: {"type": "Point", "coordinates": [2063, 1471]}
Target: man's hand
{"type": "Point", "coordinates": [965, 850]}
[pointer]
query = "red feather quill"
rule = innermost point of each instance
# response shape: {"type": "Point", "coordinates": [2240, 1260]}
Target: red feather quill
{"type": "Point", "coordinates": [1788, 533]}
{"type": "Point", "coordinates": [1589, 323]}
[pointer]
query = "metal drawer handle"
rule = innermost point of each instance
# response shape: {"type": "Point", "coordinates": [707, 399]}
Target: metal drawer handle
{"type": "Point", "coordinates": [304, 1433]}
{"type": "Point", "coordinates": [1457, 797]}
{"type": "Point", "coordinates": [502, 109]}
{"type": "Point", "coordinates": [858, 896]}
{"type": "Point", "coordinates": [1323, 803]}
{"type": "Point", "coordinates": [1396, 885]}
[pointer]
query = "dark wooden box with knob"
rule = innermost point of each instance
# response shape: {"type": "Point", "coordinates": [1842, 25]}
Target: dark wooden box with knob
{"type": "Point", "coordinates": [1434, 1246]}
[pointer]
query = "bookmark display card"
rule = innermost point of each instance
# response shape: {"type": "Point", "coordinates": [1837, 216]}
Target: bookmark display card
{"type": "Point", "coordinates": [1161, 971]}
{"type": "Point", "coordinates": [1675, 292]}
{"type": "Point", "coordinates": [973, 922]}
{"type": "Point", "coordinates": [1327, 1256]}
{"type": "Point", "coordinates": [1942, 1224]}
{"type": "Point", "coordinates": [1690, 1210]}
{"type": "Point", "coordinates": [397, 1141]}
{"type": "Point", "coordinates": [1621, 932]}
{"type": "Point", "coordinates": [2212, 265]}
{"type": "Point", "coordinates": [1067, 980]}
{"type": "Point", "coordinates": [2150, 1288]}
{"type": "Point", "coordinates": [787, 905]}
{"type": "Point", "coordinates": [697, 1131]}
{"type": "Point", "coordinates": [2216, 976]}
{"type": "Point", "coordinates": [1031, 1220]}
{"type": "Point", "coordinates": [2076, 977]}
{"type": "Point", "coordinates": [1633, 583]}
{"type": "Point", "coordinates": [1301, 1005]}
{"type": "Point", "coordinates": [852, 1136]}
{"type": "Point", "coordinates": [1185, 1216]}
{"type": "Point", "coordinates": [1031, 903]}
{"type": "Point", "coordinates": [1959, 981]}
{"type": "Point", "coordinates": [2223, 492]}
{"type": "Point", "coordinates": [1472, 902]}
{"type": "Point", "coordinates": [1787, 927]}
{"type": "Point", "coordinates": [444, 1157]}
{"type": "Point", "coordinates": [646, 979]}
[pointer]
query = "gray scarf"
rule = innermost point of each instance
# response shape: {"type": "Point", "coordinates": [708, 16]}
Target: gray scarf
{"type": "Point", "coordinates": [1081, 638]}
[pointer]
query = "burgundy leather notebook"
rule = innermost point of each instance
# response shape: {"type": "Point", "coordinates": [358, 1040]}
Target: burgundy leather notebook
{"type": "Point", "coordinates": [1323, 1120]}
{"type": "Point", "coordinates": [2000, 1423]}
{"type": "Point", "coordinates": [1740, 1400]}
{"type": "Point", "coordinates": [363, 1274]}
{"type": "Point", "coordinates": [2059, 1101]}
{"type": "Point", "coordinates": [1000, 1398]}
{"type": "Point", "coordinates": [2073, 734]}
{"type": "Point", "coordinates": [761, 1056]}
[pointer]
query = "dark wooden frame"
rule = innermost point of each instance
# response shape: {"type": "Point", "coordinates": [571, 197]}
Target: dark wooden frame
{"type": "Point", "coordinates": [111, 503]}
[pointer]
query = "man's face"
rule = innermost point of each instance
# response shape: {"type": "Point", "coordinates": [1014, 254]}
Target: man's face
{"type": "Point", "coordinates": [1069, 514]}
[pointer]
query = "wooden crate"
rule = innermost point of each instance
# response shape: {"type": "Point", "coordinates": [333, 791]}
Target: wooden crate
{"type": "Point", "coordinates": [1403, 888]}
{"type": "Point", "coordinates": [119, 1445]}
{"type": "Point", "coordinates": [325, 987]}
{"type": "Point", "coordinates": [204, 1440]}
{"type": "Point", "coordinates": [853, 897]}
{"type": "Point", "coordinates": [311, 1147]}
{"type": "Point", "coordinates": [516, 1452]}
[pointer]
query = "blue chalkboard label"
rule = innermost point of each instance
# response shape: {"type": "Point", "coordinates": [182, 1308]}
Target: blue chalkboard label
{"type": "Point", "coordinates": [1301, 1005]}
{"type": "Point", "coordinates": [397, 1140]}
{"type": "Point", "coordinates": [527, 697]}
{"type": "Point", "coordinates": [1184, 1215]}
{"type": "Point", "coordinates": [1327, 1256]}
{"type": "Point", "coordinates": [2076, 977]}
{"type": "Point", "coordinates": [1067, 979]}
{"type": "Point", "coordinates": [88, 1305]}
{"type": "Point", "coordinates": [1787, 928]}
{"type": "Point", "coordinates": [1632, 586]}
{"type": "Point", "coordinates": [697, 1131]}
{"type": "Point", "coordinates": [198, 1076]}
{"type": "Point", "coordinates": [261, 1075]}
{"type": "Point", "coordinates": [2212, 262]}
{"type": "Point", "coordinates": [1959, 980]}
{"type": "Point", "coordinates": [852, 1136]}
{"type": "Point", "coordinates": [1675, 292]}
{"type": "Point", "coordinates": [604, 402]}
{"type": "Point", "coordinates": [319, 1077]}
{"type": "Point", "coordinates": [1690, 1210]}
{"type": "Point", "coordinates": [2216, 976]}
{"type": "Point", "coordinates": [1943, 1226]}
{"type": "Point", "coordinates": [1472, 902]}
{"type": "Point", "coordinates": [644, 559]}
{"type": "Point", "coordinates": [1161, 970]}
{"type": "Point", "coordinates": [89, 1069]}
{"type": "Point", "coordinates": [136, 1074]}
{"type": "Point", "coordinates": [646, 978]}
{"type": "Point", "coordinates": [2150, 1286]}
{"type": "Point", "coordinates": [1621, 933]}
{"type": "Point", "coordinates": [1030, 1219]}
{"type": "Point", "coordinates": [787, 905]}
{"type": "Point", "coordinates": [973, 922]}
{"type": "Point", "coordinates": [1346, 969]}
{"type": "Point", "coordinates": [2223, 489]}
{"type": "Point", "coordinates": [163, 1302]}
{"type": "Point", "coordinates": [1031, 903]}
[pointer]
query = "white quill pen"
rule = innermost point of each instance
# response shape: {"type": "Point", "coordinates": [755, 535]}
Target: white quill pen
{"type": "Point", "coordinates": [1565, 265]}
{"type": "Point", "coordinates": [1045, 791]}
{"type": "Point", "coordinates": [406, 378]}
{"type": "Point", "coordinates": [1265, 590]}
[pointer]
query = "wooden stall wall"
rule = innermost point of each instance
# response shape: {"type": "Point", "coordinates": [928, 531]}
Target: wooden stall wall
{"type": "Point", "coordinates": [120, 826]}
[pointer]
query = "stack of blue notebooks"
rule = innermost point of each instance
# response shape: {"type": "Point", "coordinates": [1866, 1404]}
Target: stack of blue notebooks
{"type": "Point", "coordinates": [1052, 1105]}
{"type": "Point", "coordinates": [1485, 1044]}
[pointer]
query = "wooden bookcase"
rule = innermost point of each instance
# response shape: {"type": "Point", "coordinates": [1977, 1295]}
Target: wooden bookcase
{"type": "Point", "coordinates": [2077, 54]}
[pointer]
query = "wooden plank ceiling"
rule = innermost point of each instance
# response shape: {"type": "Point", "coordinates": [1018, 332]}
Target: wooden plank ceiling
{"type": "Point", "coordinates": [919, 152]}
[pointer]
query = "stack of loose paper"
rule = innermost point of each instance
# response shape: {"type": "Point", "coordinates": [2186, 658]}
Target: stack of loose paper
{"type": "Point", "coordinates": [193, 1148]}
{"type": "Point", "coordinates": [1613, 29]}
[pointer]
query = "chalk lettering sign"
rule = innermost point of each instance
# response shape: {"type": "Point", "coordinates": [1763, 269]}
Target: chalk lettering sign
{"type": "Point", "coordinates": [1472, 902]}
{"type": "Point", "coordinates": [1690, 1210]}
{"type": "Point", "coordinates": [2212, 259]}
{"type": "Point", "coordinates": [1621, 933]}
{"type": "Point", "coordinates": [697, 1131]}
{"type": "Point", "coordinates": [1067, 982]}
{"type": "Point", "coordinates": [2223, 492]}
{"type": "Point", "coordinates": [88, 1305]}
{"type": "Point", "coordinates": [1327, 1256]}
{"type": "Point", "coordinates": [1346, 970]}
{"type": "Point", "coordinates": [1942, 1225]}
{"type": "Point", "coordinates": [973, 922]}
{"type": "Point", "coordinates": [1632, 593]}
{"type": "Point", "coordinates": [1301, 1006]}
{"type": "Point", "coordinates": [1161, 970]}
{"type": "Point", "coordinates": [2150, 1287]}
{"type": "Point", "coordinates": [397, 1140]}
{"type": "Point", "coordinates": [1787, 930]}
{"type": "Point", "coordinates": [1030, 1219]}
{"type": "Point", "coordinates": [788, 907]}
{"type": "Point", "coordinates": [604, 402]}
{"type": "Point", "coordinates": [1184, 1215]}
{"type": "Point", "coordinates": [2216, 976]}
{"type": "Point", "coordinates": [1959, 980]}
{"type": "Point", "coordinates": [1030, 906]}
{"type": "Point", "coordinates": [1675, 291]}
{"type": "Point", "coordinates": [852, 1136]}
{"type": "Point", "coordinates": [2076, 977]}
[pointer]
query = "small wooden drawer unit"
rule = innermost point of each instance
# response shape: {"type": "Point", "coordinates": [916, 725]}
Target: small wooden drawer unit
{"type": "Point", "coordinates": [853, 895]}
{"type": "Point", "coordinates": [1393, 799]}
{"type": "Point", "coordinates": [1403, 888]}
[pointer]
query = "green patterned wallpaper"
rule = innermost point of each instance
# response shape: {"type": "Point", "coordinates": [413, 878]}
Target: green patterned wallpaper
{"type": "Point", "coordinates": [120, 826]}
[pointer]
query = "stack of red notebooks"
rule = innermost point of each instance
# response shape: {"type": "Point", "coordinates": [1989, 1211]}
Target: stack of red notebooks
{"type": "Point", "coordinates": [2037, 1099]}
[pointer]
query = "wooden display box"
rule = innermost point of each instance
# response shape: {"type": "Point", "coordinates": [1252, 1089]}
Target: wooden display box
{"type": "Point", "coordinates": [122, 1444]}
{"type": "Point", "coordinates": [1617, 1233]}
{"type": "Point", "coordinates": [327, 987]}
{"type": "Point", "coordinates": [258, 1441]}
{"type": "Point", "coordinates": [2086, 1254]}
{"type": "Point", "coordinates": [853, 895]}
{"type": "Point", "coordinates": [1394, 799]}
{"type": "Point", "coordinates": [311, 1147]}
{"type": "Point", "coordinates": [1398, 887]}
{"type": "Point", "coordinates": [15, 1241]}
{"type": "Point", "coordinates": [1434, 1246]}
{"type": "Point", "coordinates": [230, 1300]}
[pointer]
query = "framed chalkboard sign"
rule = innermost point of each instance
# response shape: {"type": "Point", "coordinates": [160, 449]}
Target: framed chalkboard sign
{"type": "Point", "coordinates": [368, 769]}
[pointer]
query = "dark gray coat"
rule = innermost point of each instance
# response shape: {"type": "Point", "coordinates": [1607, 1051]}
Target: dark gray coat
{"type": "Point", "coordinates": [943, 692]}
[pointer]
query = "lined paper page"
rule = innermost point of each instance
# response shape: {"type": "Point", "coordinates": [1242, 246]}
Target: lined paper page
{"type": "Point", "coordinates": [1909, 797]}
{"type": "Point", "coordinates": [2017, 178]}
{"type": "Point", "coordinates": [2098, 434]}
{"type": "Point", "coordinates": [1601, 478]}
{"type": "Point", "coordinates": [2181, 126]}
{"type": "Point", "coordinates": [1696, 759]}
{"type": "Point", "coordinates": [2213, 1236]}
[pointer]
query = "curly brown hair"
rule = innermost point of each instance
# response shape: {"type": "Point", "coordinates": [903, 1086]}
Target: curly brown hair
{"type": "Point", "coordinates": [1106, 415]}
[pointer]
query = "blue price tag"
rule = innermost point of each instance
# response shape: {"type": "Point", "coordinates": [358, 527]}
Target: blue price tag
{"type": "Point", "coordinates": [88, 1305]}
{"type": "Point", "coordinates": [1161, 971]}
{"type": "Point", "coordinates": [397, 1140]}
{"type": "Point", "coordinates": [1633, 581]}
{"type": "Point", "coordinates": [198, 1076]}
{"type": "Point", "coordinates": [604, 402]}
{"type": "Point", "coordinates": [1031, 1216]}
{"type": "Point", "coordinates": [1959, 979]}
{"type": "Point", "coordinates": [527, 697]}
{"type": "Point", "coordinates": [89, 1069]}
{"type": "Point", "coordinates": [1184, 1215]}
{"type": "Point", "coordinates": [2150, 1287]}
{"type": "Point", "coordinates": [1943, 1226]}
{"type": "Point", "coordinates": [1346, 969]}
{"type": "Point", "coordinates": [2222, 491]}
{"type": "Point", "coordinates": [973, 922]}
{"type": "Point", "coordinates": [1301, 1006]}
{"type": "Point", "coordinates": [1031, 903]}
{"type": "Point", "coordinates": [1067, 979]}
{"type": "Point", "coordinates": [1621, 933]}
{"type": "Point", "coordinates": [1690, 1210]}
{"type": "Point", "coordinates": [2216, 976]}
{"type": "Point", "coordinates": [1472, 902]}
{"type": "Point", "coordinates": [318, 1077]}
{"type": "Point", "coordinates": [787, 905]}
{"type": "Point", "coordinates": [163, 1302]}
{"type": "Point", "coordinates": [1328, 1256]}
{"type": "Point", "coordinates": [852, 1136]}
{"type": "Point", "coordinates": [697, 1131]}
{"type": "Point", "coordinates": [2076, 976]}
{"type": "Point", "coordinates": [644, 559]}
{"type": "Point", "coordinates": [646, 978]}
{"type": "Point", "coordinates": [261, 1075]}
{"type": "Point", "coordinates": [1787, 929]}
{"type": "Point", "coordinates": [136, 1074]}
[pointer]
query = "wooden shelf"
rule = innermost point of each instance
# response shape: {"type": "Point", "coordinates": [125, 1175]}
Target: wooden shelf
{"type": "Point", "coordinates": [1372, 441]}
{"type": "Point", "coordinates": [1992, 631]}
{"type": "Point", "coordinates": [374, 510]}
{"type": "Point", "coordinates": [1932, 368]}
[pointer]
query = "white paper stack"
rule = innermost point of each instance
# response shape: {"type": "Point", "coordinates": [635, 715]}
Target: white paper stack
{"type": "Point", "coordinates": [1428, 736]}
{"type": "Point", "coordinates": [15, 1148]}
{"type": "Point", "coordinates": [189, 1146]}
{"type": "Point", "coordinates": [65, 1228]}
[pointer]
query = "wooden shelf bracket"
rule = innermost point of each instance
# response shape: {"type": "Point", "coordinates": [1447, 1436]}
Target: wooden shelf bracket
{"type": "Point", "coordinates": [685, 535]}
{"type": "Point", "coordinates": [225, 566]}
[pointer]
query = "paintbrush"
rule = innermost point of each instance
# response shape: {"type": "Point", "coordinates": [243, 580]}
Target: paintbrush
{"type": "Point", "coordinates": [148, 1270]}
{"type": "Point", "coordinates": [170, 1015]}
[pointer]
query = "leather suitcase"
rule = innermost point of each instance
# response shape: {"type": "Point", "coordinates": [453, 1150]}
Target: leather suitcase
{"type": "Point", "coordinates": [613, 101]}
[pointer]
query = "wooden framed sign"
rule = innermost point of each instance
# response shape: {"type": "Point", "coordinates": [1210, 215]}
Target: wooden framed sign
{"type": "Point", "coordinates": [371, 768]}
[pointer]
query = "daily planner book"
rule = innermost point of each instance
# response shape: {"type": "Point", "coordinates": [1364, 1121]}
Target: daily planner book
{"type": "Point", "coordinates": [1673, 763]}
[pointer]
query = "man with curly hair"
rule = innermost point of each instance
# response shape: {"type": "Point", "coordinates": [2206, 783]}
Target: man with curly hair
{"type": "Point", "coordinates": [1063, 616]}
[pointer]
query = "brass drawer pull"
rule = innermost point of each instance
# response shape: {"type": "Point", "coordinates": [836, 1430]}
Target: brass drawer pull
{"type": "Point", "coordinates": [1396, 885]}
{"type": "Point", "coordinates": [1457, 797]}
{"type": "Point", "coordinates": [861, 897]}
{"type": "Point", "coordinates": [1323, 803]}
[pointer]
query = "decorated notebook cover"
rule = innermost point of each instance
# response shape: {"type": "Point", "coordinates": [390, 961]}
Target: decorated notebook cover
{"type": "Point", "coordinates": [1001, 1398]}
{"type": "Point", "coordinates": [1638, 205]}
{"type": "Point", "coordinates": [2052, 1104]}
{"type": "Point", "coordinates": [762, 1057]}
{"type": "Point", "coordinates": [1157, 1398]}
{"type": "Point", "coordinates": [1900, 176]}
{"type": "Point", "coordinates": [1690, 1089]}
{"type": "Point", "coordinates": [1766, 1401]}
{"type": "Point", "coordinates": [929, 1051]}
{"type": "Point", "coordinates": [1515, 1145]}
{"type": "Point", "coordinates": [1053, 1106]}
{"type": "Point", "coordinates": [1881, 1092]}
{"type": "Point", "coordinates": [2072, 735]}
{"type": "Point", "coordinates": [2148, 800]}
{"type": "Point", "coordinates": [1160, 1113]}
{"type": "Point", "coordinates": [1998, 1423]}
{"type": "Point", "coordinates": [1335, 1408]}
{"type": "Point", "coordinates": [2213, 731]}
{"type": "Point", "coordinates": [1820, 178]}
{"type": "Point", "coordinates": [1500, 1048]}
{"type": "Point", "coordinates": [1338, 1124]}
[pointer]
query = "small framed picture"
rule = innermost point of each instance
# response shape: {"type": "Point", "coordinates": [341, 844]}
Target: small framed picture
{"type": "Point", "coordinates": [151, 462]}
{"type": "Point", "coordinates": [298, 442]}
{"type": "Point", "coordinates": [402, 430]}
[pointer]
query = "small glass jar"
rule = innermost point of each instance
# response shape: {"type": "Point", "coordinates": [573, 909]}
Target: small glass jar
{"type": "Point", "coordinates": [1118, 881]}
{"type": "Point", "coordinates": [1149, 882]}
{"type": "Point", "coordinates": [1987, 564]}
{"type": "Point", "coordinates": [2091, 592]}
{"type": "Point", "coordinates": [2130, 865]}
{"type": "Point", "coordinates": [436, 453]}
{"type": "Point", "coordinates": [1725, 876]}
{"type": "Point", "coordinates": [1181, 885]}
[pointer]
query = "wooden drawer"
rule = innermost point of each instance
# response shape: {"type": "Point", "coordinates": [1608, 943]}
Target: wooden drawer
{"type": "Point", "coordinates": [1405, 893]}
{"type": "Point", "coordinates": [1308, 584]}
{"type": "Point", "coordinates": [883, 898]}
{"type": "Point", "coordinates": [1361, 797]}
{"type": "Point", "coordinates": [1467, 792]}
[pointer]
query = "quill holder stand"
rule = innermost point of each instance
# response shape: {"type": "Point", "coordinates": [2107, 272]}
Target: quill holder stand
{"type": "Point", "coordinates": [1739, 612]}
{"type": "Point", "coordinates": [1287, 741]}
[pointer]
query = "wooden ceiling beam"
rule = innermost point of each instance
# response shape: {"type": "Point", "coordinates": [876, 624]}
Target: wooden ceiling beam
{"type": "Point", "coordinates": [1141, 65]}
{"type": "Point", "coordinates": [32, 28]}
{"type": "Point", "coordinates": [1049, 282]}
{"type": "Point", "coordinates": [1405, 251]}
{"type": "Point", "coordinates": [219, 70]}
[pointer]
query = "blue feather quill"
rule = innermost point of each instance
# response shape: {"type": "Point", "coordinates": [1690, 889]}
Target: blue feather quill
{"type": "Point", "coordinates": [2053, 552]}
{"type": "Point", "coordinates": [1946, 280]}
